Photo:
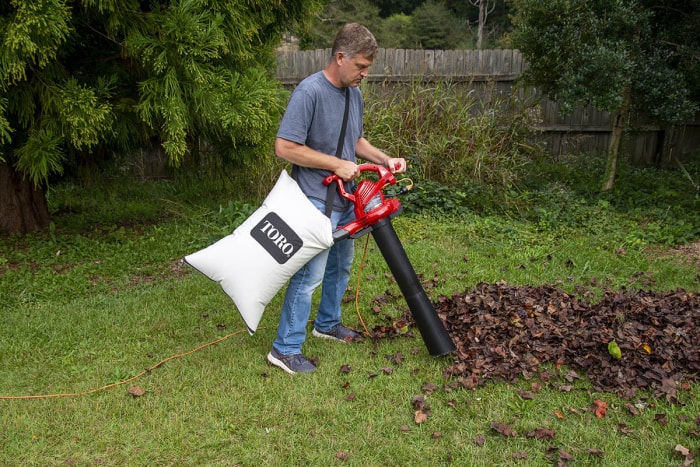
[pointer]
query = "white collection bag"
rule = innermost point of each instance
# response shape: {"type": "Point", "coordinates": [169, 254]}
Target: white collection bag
{"type": "Point", "coordinates": [256, 260]}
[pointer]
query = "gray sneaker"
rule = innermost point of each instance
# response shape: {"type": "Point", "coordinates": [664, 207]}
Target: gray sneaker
{"type": "Point", "coordinates": [338, 333]}
{"type": "Point", "coordinates": [295, 363]}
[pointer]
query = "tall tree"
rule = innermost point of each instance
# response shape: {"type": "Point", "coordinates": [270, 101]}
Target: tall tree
{"type": "Point", "coordinates": [397, 32]}
{"type": "Point", "coordinates": [82, 76]}
{"type": "Point", "coordinates": [325, 24]}
{"type": "Point", "coordinates": [629, 57]}
{"type": "Point", "coordinates": [436, 27]}
{"type": "Point", "coordinates": [485, 7]}
{"type": "Point", "coordinates": [394, 7]}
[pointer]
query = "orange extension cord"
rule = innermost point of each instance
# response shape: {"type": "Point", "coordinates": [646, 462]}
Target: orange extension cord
{"type": "Point", "coordinates": [184, 354]}
{"type": "Point", "coordinates": [119, 383]}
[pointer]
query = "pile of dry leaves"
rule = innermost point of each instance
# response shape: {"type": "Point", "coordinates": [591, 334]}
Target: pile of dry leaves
{"type": "Point", "coordinates": [505, 332]}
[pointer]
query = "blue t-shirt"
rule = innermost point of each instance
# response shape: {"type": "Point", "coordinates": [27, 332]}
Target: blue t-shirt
{"type": "Point", "coordinates": [314, 117]}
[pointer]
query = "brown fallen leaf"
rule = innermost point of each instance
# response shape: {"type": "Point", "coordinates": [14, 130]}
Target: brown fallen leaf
{"type": "Point", "coordinates": [632, 409]}
{"type": "Point", "coordinates": [541, 433]}
{"type": "Point", "coordinates": [479, 440]}
{"type": "Point", "coordinates": [624, 429]}
{"type": "Point", "coordinates": [421, 409]}
{"type": "Point", "coordinates": [420, 416]}
{"type": "Point", "coordinates": [599, 408]}
{"type": "Point", "coordinates": [684, 451]}
{"type": "Point", "coordinates": [469, 382]}
{"type": "Point", "coordinates": [689, 457]}
{"type": "Point", "coordinates": [503, 429]}
{"type": "Point", "coordinates": [418, 402]}
{"type": "Point", "coordinates": [662, 418]}
{"type": "Point", "coordinates": [668, 388]}
{"type": "Point", "coordinates": [136, 391]}
{"type": "Point", "coordinates": [342, 456]}
{"type": "Point", "coordinates": [565, 456]}
{"type": "Point", "coordinates": [397, 358]}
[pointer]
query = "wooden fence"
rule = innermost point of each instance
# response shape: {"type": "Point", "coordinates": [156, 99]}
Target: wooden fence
{"type": "Point", "coordinates": [404, 64]}
{"type": "Point", "coordinates": [585, 130]}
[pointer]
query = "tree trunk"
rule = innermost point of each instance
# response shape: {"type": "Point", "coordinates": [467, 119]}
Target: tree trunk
{"type": "Point", "coordinates": [23, 206]}
{"type": "Point", "coordinates": [482, 23]}
{"type": "Point", "coordinates": [619, 124]}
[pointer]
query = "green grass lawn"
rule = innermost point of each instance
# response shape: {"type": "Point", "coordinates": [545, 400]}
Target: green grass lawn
{"type": "Point", "coordinates": [101, 297]}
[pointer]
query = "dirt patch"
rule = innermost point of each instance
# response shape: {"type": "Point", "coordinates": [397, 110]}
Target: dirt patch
{"type": "Point", "coordinates": [687, 255]}
{"type": "Point", "coordinates": [690, 252]}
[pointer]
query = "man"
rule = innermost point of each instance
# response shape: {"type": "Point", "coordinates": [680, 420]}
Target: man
{"type": "Point", "coordinates": [308, 137]}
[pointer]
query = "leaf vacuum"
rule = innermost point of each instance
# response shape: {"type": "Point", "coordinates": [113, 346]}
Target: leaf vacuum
{"type": "Point", "coordinates": [373, 214]}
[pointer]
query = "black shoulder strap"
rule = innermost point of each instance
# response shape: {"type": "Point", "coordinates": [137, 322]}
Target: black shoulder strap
{"type": "Point", "coordinates": [333, 187]}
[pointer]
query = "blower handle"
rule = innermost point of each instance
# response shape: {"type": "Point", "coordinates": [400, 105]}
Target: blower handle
{"type": "Point", "coordinates": [368, 200]}
{"type": "Point", "coordinates": [386, 177]}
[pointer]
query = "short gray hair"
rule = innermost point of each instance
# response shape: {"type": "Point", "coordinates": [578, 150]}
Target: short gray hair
{"type": "Point", "coordinates": [354, 39]}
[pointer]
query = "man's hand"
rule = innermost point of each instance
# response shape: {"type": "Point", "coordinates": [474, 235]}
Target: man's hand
{"type": "Point", "coordinates": [347, 170]}
{"type": "Point", "coordinates": [396, 165]}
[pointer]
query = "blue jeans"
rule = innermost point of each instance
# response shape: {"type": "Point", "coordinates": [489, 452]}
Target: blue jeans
{"type": "Point", "coordinates": [331, 270]}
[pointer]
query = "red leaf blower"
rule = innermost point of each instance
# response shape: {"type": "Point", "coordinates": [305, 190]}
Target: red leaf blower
{"type": "Point", "coordinates": [373, 213]}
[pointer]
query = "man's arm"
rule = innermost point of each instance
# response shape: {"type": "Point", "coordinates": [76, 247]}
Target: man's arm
{"type": "Point", "coordinates": [304, 156]}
